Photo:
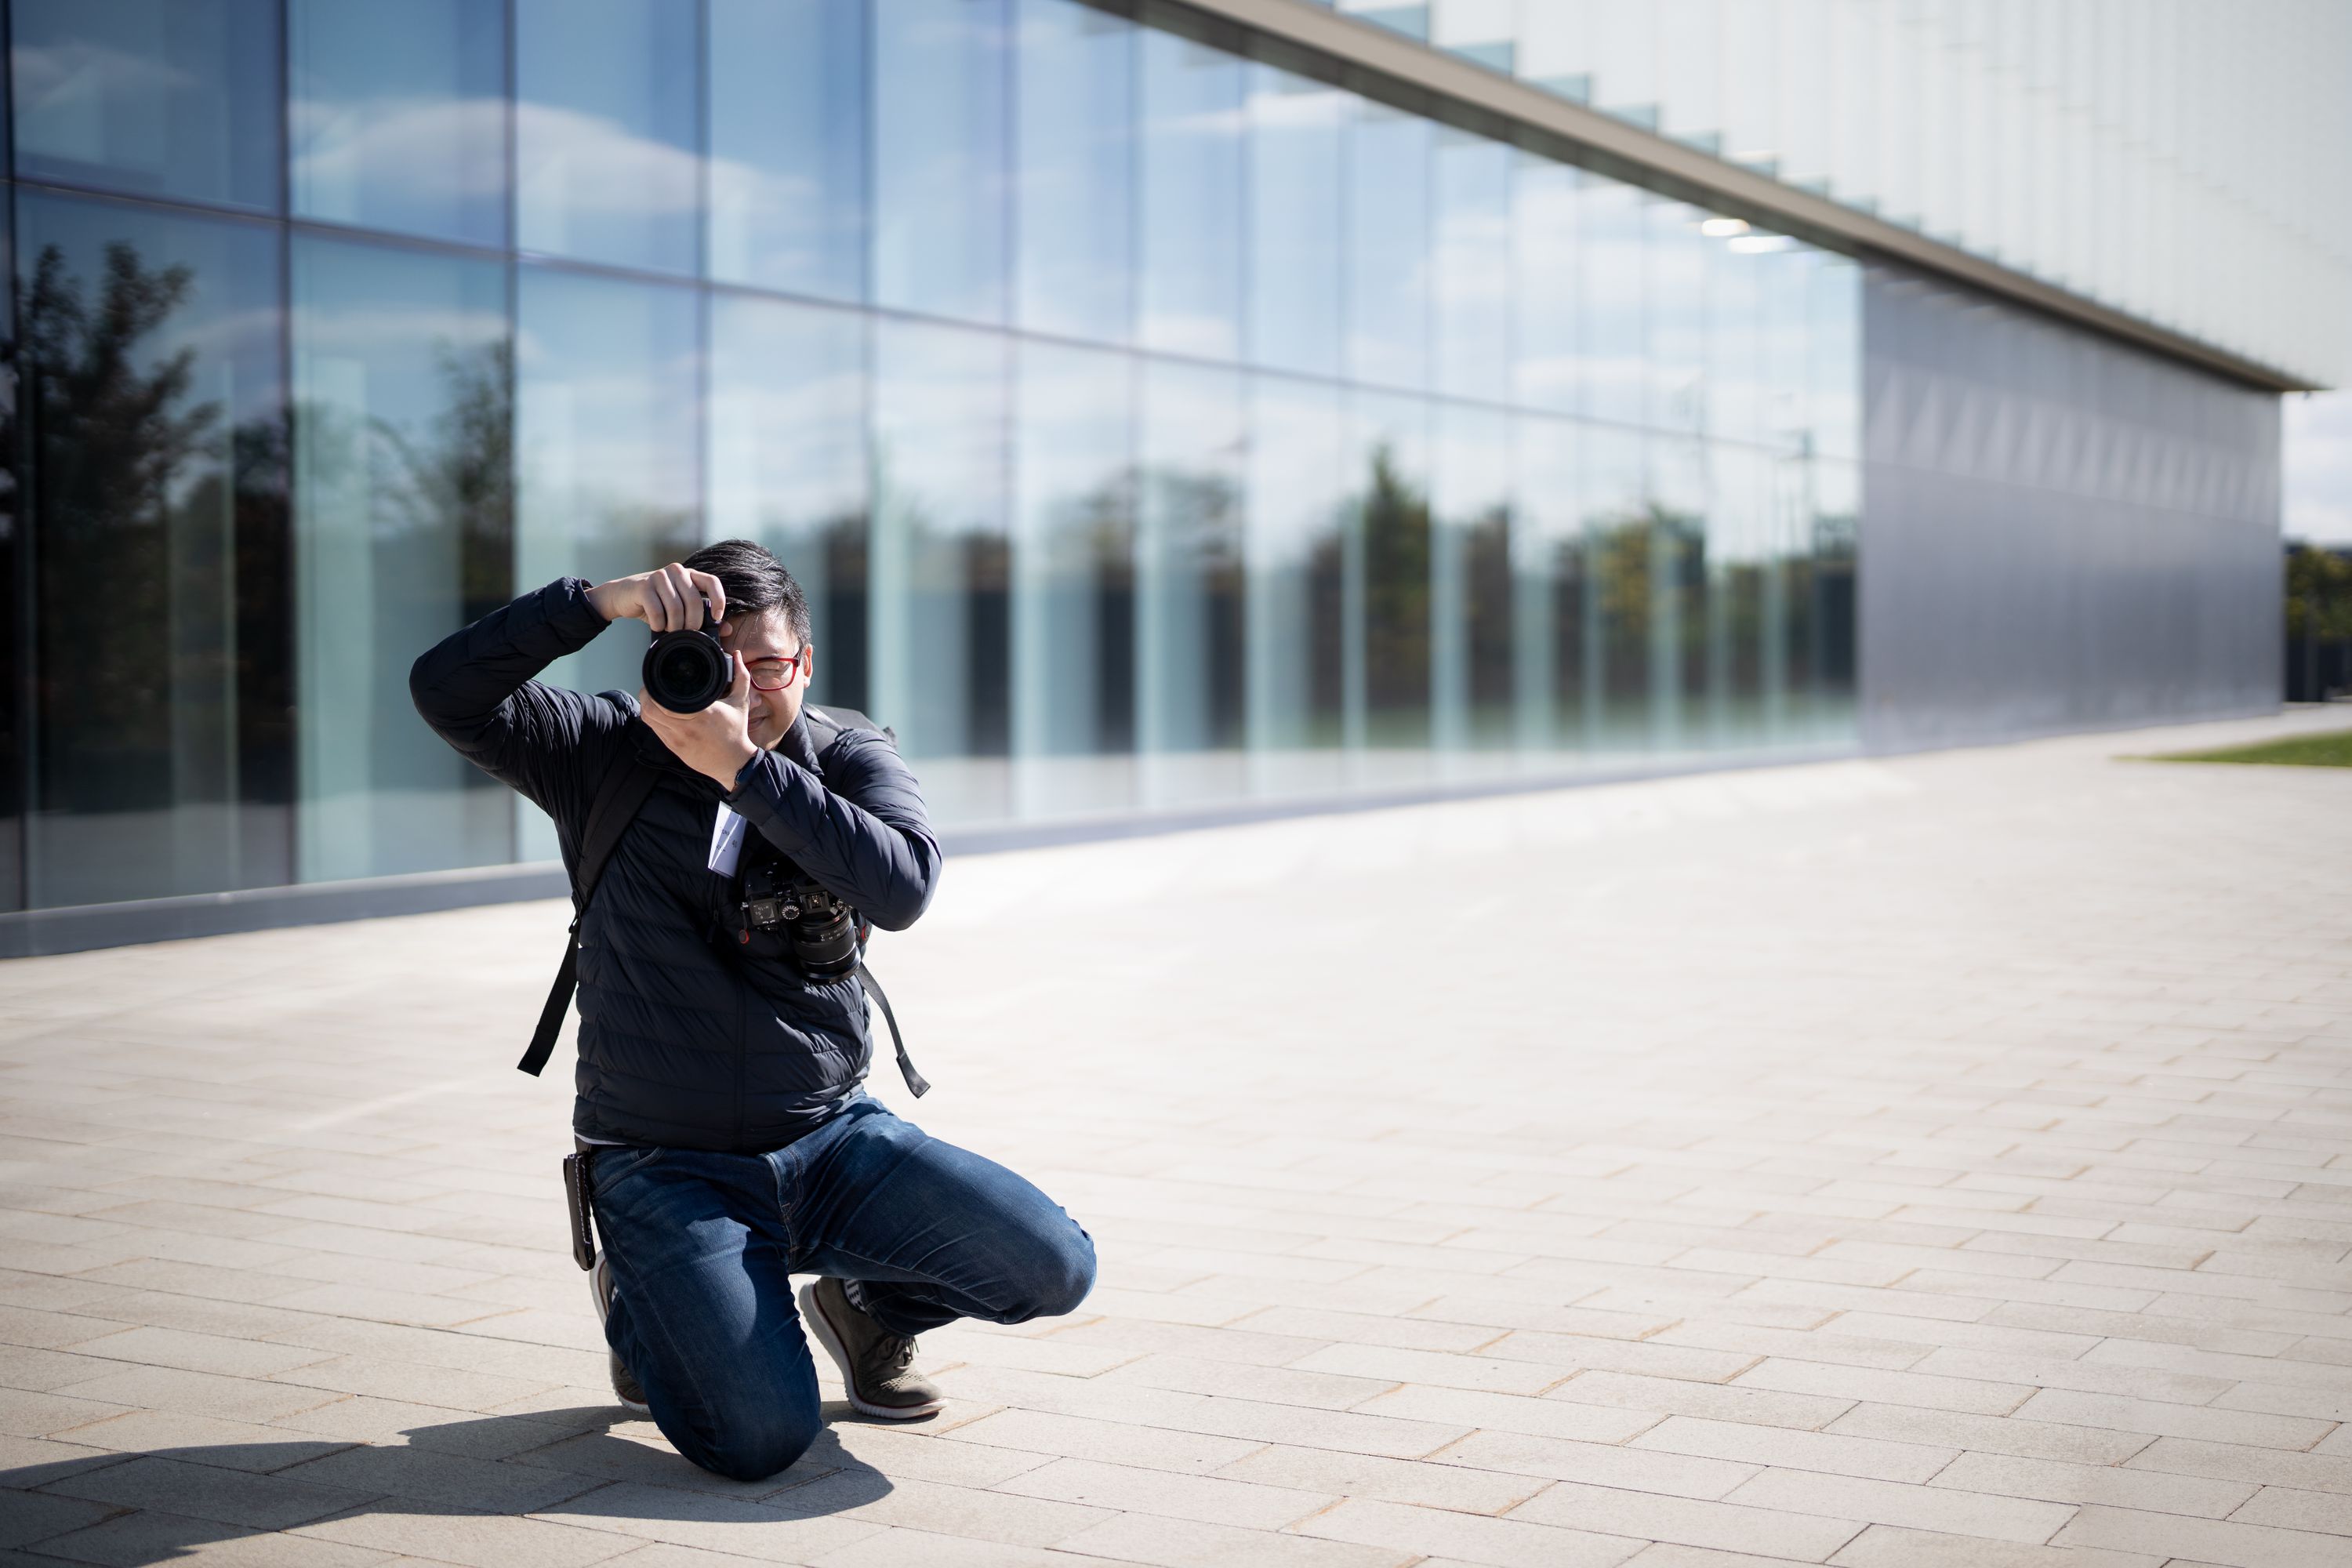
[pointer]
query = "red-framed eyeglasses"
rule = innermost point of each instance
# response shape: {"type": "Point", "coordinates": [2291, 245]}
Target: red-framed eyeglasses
{"type": "Point", "coordinates": [775, 674]}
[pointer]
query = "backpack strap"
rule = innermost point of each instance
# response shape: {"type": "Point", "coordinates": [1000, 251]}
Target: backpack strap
{"type": "Point", "coordinates": [627, 783]}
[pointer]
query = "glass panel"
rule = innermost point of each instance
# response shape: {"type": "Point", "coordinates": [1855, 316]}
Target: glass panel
{"type": "Point", "coordinates": [788, 463]}
{"type": "Point", "coordinates": [1556, 680]}
{"type": "Point", "coordinates": [151, 350]}
{"type": "Point", "coordinates": [1735, 307]}
{"type": "Point", "coordinates": [1785, 361]}
{"type": "Point", "coordinates": [1678, 625]}
{"type": "Point", "coordinates": [1473, 293]}
{"type": "Point", "coordinates": [1299, 631]}
{"type": "Point", "coordinates": [1676, 301]}
{"type": "Point", "coordinates": [607, 132]}
{"type": "Point", "coordinates": [1189, 651]}
{"type": "Point", "coordinates": [607, 452]}
{"type": "Point", "coordinates": [398, 116]}
{"type": "Point", "coordinates": [788, 145]}
{"type": "Point", "coordinates": [1075, 173]}
{"type": "Point", "coordinates": [1834, 324]}
{"type": "Point", "coordinates": [1836, 512]}
{"type": "Point", "coordinates": [941, 670]}
{"type": "Point", "coordinates": [1295, 152]}
{"type": "Point", "coordinates": [1471, 593]}
{"type": "Point", "coordinates": [1390, 464]}
{"type": "Point", "coordinates": [403, 533]}
{"type": "Point", "coordinates": [1617, 546]}
{"type": "Point", "coordinates": [160, 97]}
{"type": "Point", "coordinates": [1611, 335]}
{"type": "Point", "coordinates": [1074, 581]}
{"type": "Point", "coordinates": [1740, 553]}
{"type": "Point", "coordinates": [1191, 167]}
{"type": "Point", "coordinates": [941, 138]}
{"type": "Point", "coordinates": [1388, 256]}
{"type": "Point", "coordinates": [1548, 274]}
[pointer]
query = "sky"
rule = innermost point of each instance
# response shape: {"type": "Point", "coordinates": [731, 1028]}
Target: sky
{"type": "Point", "coordinates": [2318, 501]}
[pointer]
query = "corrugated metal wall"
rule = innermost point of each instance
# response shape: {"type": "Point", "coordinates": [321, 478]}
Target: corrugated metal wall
{"type": "Point", "coordinates": [2059, 532]}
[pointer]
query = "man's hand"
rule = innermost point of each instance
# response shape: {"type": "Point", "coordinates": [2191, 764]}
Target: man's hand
{"type": "Point", "coordinates": [670, 599]}
{"type": "Point", "coordinates": [715, 742]}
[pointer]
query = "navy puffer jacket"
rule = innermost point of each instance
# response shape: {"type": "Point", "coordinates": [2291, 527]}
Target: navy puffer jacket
{"type": "Point", "coordinates": [689, 1037]}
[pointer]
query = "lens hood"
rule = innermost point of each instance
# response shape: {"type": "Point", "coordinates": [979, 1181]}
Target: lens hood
{"type": "Point", "coordinates": [687, 671]}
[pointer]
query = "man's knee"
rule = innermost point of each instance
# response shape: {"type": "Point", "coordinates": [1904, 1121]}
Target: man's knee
{"type": "Point", "coordinates": [1058, 1275]}
{"type": "Point", "coordinates": [753, 1445]}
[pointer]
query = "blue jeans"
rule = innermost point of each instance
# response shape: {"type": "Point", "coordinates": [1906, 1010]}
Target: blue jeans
{"type": "Point", "coordinates": [702, 1247]}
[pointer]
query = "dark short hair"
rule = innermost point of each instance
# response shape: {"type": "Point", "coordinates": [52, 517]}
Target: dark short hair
{"type": "Point", "coordinates": [755, 581]}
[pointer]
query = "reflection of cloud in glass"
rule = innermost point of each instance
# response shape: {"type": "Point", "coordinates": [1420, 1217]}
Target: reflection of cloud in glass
{"type": "Point", "coordinates": [634, 176]}
{"type": "Point", "coordinates": [430, 152]}
{"type": "Point", "coordinates": [73, 79]}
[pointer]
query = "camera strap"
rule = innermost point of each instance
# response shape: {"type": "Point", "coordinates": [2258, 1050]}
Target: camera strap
{"type": "Point", "coordinates": [916, 1084]}
{"type": "Point", "coordinates": [619, 795]}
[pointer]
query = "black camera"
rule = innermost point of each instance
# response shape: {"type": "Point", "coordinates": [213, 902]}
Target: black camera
{"type": "Point", "coordinates": [687, 671]}
{"type": "Point", "coordinates": [819, 930]}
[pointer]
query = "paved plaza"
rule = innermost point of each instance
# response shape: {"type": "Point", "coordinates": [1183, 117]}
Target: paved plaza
{"type": "Point", "coordinates": [1941, 1160]}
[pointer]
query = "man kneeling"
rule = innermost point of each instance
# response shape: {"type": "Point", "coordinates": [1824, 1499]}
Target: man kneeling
{"type": "Point", "coordinates": [718, 1080]}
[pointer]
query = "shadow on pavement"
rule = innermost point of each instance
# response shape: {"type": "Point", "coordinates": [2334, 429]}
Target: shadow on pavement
{"type": "Point", "coordinates": [558, 1465]}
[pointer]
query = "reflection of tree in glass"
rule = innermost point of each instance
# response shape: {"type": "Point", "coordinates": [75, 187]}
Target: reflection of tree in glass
{"type": "Point", "coordinates": [463, 477]}
{"type": "Point", "coordinates": [114, 444]}
{"type": "Point", "coordinates": [1197, 521]}
{"type": "Point", "coordinates": [1490, 590]}
{"type": "Point", "coordinates": [1396, 604]}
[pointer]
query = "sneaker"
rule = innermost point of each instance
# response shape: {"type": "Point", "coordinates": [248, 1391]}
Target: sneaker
{"type": "Point", "coordinates": [625, 1387]}
{"type": "Point", "coordinates": [878, 1367]}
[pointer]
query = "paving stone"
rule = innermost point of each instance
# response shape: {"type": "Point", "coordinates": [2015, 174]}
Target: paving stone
{"type": "Point", "coordinates": [2052, 1481]}
{"type": "Point", "coordinates": [27, 1517]}
{"type": "Point", "coordinates": [1690, 1521]}
{"type": "Point", "coordinates": [1890, 1546]}
{"type": "Point", "coordinates": [2169, 1536]}
{"type": "Point", "coordinates": [1630, 1466]}
{"type": "Point", "coordinates": [1039, 1433]}
{"type": "Point", "coordinates": [1893, 1502]}
{"type": "Point", "coordinates": [1877, 1458]}
{"type": "Point", "coordinates": [148, 1536]}
{"type": "Point", "coordinates": [1472, 1538]}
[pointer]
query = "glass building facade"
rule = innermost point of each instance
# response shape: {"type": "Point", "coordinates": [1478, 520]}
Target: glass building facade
{"type": "Point", "coordinates": [1155, 420]}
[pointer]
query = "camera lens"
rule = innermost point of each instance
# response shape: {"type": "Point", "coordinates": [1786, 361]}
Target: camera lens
{"type": "Point", "coordinates": [685, 671]}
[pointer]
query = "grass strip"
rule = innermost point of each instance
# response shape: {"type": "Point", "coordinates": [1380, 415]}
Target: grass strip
{"type": "Point", "coordinates": [2332, 749]}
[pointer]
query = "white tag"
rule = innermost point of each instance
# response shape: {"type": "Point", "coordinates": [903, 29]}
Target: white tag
{"type": "Point", "coordinates": [726, 841]}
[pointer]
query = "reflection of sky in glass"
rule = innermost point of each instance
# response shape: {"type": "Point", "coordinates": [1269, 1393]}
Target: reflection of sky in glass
{"type": "Point", "coordinates": [607, 127]}
{"type": "Point", "coordinates": [398, 116]}
{"type": "Point", "coordinates": [788, 147]}
{"type": "Point", "coordinates": [1296, 145]}
{"type": "Point", "coordinates": [940, 133]}
{"type": "Point", "coordinates": [1676, 304]}
{"type": "Point", "coordinates": [1548, 277]}
{"type": "Point", "coordinates": [1471, 324]}
{"type": "Point", "coordinates": [158, 99]}
{"type": "Point", "coordinates": [1612, 336]}
{"type": "Point", "coordinates": [1389, 246]}
{"type": "Point", "coordinates": [1073, 179]}
{"type": "Point", "coordinates": [1191, 169]}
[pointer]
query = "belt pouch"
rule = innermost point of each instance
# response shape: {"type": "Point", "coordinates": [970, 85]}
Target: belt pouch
{"type": "Point", "coordinates": [578, 1199]}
